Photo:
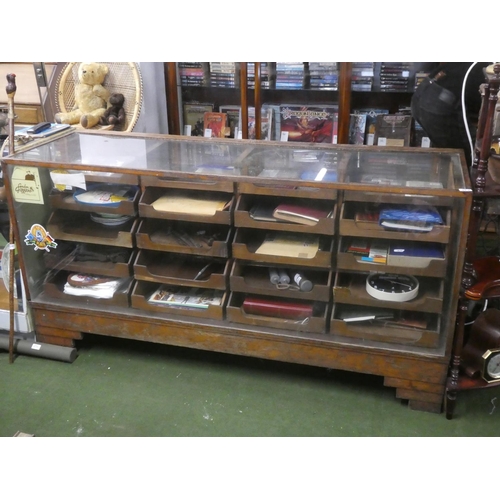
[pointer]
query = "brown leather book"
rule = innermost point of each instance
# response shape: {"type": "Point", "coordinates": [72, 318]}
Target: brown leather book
{"type": "Point", "coordinates": [277, 308]}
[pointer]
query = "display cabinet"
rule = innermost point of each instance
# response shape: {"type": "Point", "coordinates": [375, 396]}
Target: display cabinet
{"type": "Point", "coordinates": [334, 256]}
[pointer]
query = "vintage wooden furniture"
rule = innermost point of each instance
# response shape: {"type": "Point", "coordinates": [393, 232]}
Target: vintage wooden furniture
{"type": "Point", "coordinates": [480, 272]}
{"type": "Point", "coordinates": [408, 343]}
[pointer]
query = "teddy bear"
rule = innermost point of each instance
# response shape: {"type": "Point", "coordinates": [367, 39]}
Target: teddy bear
{"type": "Point", "coordinates": [91, 96]}
{"type": "Point", "coordinates": [115, 113]}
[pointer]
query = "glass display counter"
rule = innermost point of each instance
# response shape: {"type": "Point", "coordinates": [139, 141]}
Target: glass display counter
{"type": "Point", "coordinates": [343, 257]}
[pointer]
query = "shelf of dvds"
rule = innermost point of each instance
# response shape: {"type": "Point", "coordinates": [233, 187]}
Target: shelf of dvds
{"type": "Point", "coordinates": [340, 100]}
{"type": "Point", "coordinates": [244, 247]}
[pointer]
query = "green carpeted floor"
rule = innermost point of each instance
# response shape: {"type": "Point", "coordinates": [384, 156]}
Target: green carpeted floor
{"type": "Point", "coordinates": [125, 388]}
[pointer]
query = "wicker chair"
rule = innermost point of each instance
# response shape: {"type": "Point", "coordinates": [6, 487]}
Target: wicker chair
{"type": "Point", "coordinates": [123, 77]}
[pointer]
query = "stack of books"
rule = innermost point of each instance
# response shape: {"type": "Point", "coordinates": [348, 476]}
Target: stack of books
{"type": "Point", "coordinates": [192, 74]}
{"type": "Point", "coordinates": [365, 126]}
{"type": "Point", "coordinates": [87, 285]}
{"type": "Point", "coordinates": [395, 76]}
{"type": "Point", "coordinates": [193, 115]}
{"type": "Point", "coordinates": [370, 251]}
{"type": "Point", "coordinates": [323, 76]}
{"type": "Point", "coordinates": [186, 298]}
{"type": "Point", "coordinates": [265, 75]}
{"type": "Point", "coordinates": [224, 75]}
{"type": "Point", "coordinates": [290, 75]}
{"type": "Point", "coordinates": [362, 76]}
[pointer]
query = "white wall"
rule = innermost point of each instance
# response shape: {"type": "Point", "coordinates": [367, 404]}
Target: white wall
{"type": "Point", "coordinates": [153, 116]}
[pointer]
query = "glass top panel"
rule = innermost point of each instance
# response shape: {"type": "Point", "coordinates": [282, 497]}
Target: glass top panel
{"type": "Point", "coordinates": [419, 168]}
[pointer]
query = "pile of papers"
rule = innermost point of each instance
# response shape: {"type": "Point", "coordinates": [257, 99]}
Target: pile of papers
{"type": "Point", "coordinates": [88, 285]}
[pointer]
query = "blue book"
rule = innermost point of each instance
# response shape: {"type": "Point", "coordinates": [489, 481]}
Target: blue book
{"type": "Point", "coordinates": [414, 254]}
{"type": "Point", "coordinates": [409, 217]}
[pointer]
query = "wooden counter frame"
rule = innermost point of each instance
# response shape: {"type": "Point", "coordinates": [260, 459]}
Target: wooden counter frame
{"type": "Point", "coordinates": [418, 375]}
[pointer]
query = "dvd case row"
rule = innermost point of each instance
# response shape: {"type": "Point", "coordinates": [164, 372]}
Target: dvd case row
{"type": "Point", "coordinates": [291, 122]}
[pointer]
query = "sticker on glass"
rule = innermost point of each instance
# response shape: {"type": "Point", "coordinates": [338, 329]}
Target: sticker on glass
{"type": "Point", "coordinates": [38, 237]}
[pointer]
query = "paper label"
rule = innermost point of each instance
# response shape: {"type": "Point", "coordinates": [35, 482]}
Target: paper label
{"type": "Point", "coordinates": [63, 179]}
{"type": "Point", "coordinates": [426, 142]}
{"type": "Point", "coordinates": [26, 185]}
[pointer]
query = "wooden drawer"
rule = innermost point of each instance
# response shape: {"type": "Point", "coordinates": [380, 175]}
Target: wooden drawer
{"type": "Point", "coordinates": [244, 204]}
{"type": "Point", "coordinates": [162, 236]}
{"type": "Point", "coordinates": [254, 279]}
{"type": "Point", "coordinates": [79, 227]}
{"type": "Point", "coordinates": [178, 269]}
{"type": "Point", "coordinates": [142, 291]}
{"type": "Point", "coordinates": [314, 324]}
{"type": "Point", "coordinates": [383, 331]}
{"type": "Point", "coordinates": [151, 194]}
{"type": "Point", "coordinates": [196, 184]}
{"type": "Point", "coordinates": [349, 261]}
{"type": "Point", "coordinates": [348, 226]}
{"type": "Point", "coordinates": [66, 201]}
{"type": "Point", "coordinates": [64, 257]}
{"type": "Point", "coordinates": [287, 189]}
{"type": "Point", "coordinates": [247, 241]}
{"type": "Point", "coordinates": [54, 287]}
{"type": "Point", "coordinates": [350, 288]}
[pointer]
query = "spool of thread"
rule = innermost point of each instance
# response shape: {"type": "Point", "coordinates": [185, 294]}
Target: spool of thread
{"type": "Point", "coordinates": [274, 277]}
{"type": "Point", "coordinates": [284, 278]}
{"type": "Point", "coordinates": [302, 282]}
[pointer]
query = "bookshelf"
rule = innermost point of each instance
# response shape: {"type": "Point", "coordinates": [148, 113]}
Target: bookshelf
{"type": "Point", "coordinates": [267, 84]}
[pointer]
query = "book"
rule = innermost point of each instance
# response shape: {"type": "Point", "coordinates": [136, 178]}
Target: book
{"type": "Point", "coordinates": [371, 119]}
{"type": "Point", "coordinates": [358, 246]}
{"type": "Point", "coordinates": [217, 123]}
{"type": "Point", "coordinates": [189, 204]}
{"type": "Point", "coordinates": [300, 214]}
{"type": "Point", "coordinates": [305, 123]}
{"type": "Point", "coordinates": [189, 298]}
{"type": "Point", "coordinates": [266, 123]}
{"type": "Point", "coordinates": [193, 116]}
{"type": "Point", "coordinates": [289, 245]}
{"type": "Point", "coordinates": [357, 128]}
{"type": "Point", "coordinates": [263, 211]}
{"type": "Point", "coordinates": [233, 113]}
{"type": "Point", "coordinates": [53, 129]}
{"type": "Point", "coordinates": [377, 253]}
{"type": "Point", "coordinates": [367, 217]}
{"type": "Point", "coordinates": [277, 308]}
{"type": "Point", "coordinates": [393, 130]}
{"type": "Point", "coordinates": [369, 251]}
{"type": "Point", "coordinates": [410, 217]}
{"type": "Point", "coordinates": [414, 254]}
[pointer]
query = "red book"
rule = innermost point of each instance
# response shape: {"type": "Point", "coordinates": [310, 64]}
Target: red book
{"type": "Point", "coordinates": [300, 213]}
{"type": "Point", "coordinates": [277, 308]}
{"type": "Point", "coordinates": [217, 123]}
